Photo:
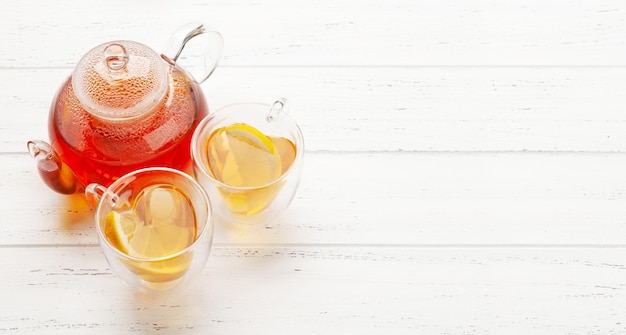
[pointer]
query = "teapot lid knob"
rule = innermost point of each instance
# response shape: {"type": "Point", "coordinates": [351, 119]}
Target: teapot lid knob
{"type": "Point", "coordinates": [120, 80]}
{"type": "Point", "coordinates": [116, 57]}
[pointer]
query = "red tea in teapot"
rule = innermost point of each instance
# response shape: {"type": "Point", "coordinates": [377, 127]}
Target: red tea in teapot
{"type": "Point", "coordinates": [101, 150]}
{"type": "Point", "coordinates": [124, 108]}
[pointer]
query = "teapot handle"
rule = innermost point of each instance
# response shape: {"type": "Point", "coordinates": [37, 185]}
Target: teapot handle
{"type": "Point", "coordinates": [200, 59]}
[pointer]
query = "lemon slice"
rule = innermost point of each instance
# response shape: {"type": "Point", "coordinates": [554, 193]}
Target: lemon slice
{"type": "Point", "coordinates": [119, 231]}
{"type": "Point", "coordinates": [287, 151]}
{"type": "Point", "coordinates": [242, 156]}
{"type": "Point", "coordinates": [250, 135]}
{"type": "Point", "coordinates": [166, 223]}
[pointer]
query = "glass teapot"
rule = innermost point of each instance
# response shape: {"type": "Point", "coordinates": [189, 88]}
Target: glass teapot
{"type": "Point", "coordinates": [125, 107]}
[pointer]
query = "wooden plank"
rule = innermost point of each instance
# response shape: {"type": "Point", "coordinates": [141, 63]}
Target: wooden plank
{"type": "Point", "coordinates": [385, 198]}
{"type": "Point", "coordinates": [327, 32]}
{"type": "Point", "coordinates": [394, 109]}
{"type": "Point", "coordinates": [371, 290]}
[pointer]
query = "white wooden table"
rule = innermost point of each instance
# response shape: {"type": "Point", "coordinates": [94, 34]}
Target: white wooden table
{"type": "Point", "coordinates": [465, 170]}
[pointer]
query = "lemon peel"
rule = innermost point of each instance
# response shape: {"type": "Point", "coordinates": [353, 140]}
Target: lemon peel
{"type": "Point", "coordinates": [118, 231]}
{"type": "Point", "coordinates": [250, 135]}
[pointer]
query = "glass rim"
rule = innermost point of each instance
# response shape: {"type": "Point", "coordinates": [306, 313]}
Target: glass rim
{"type": "Point", "coordinates": [207, 228]}
{"type": "Point", "coordinates": [201, 130]}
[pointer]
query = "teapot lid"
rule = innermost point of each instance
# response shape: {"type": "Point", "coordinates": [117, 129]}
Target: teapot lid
{"type": "Point", "coordinates": [120, 79]}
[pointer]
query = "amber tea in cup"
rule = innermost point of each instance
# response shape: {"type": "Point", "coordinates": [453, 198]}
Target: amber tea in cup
{"type": "Point", "coordinates": [248, 157]}
{"type": "Point", "coordinates": [154, 227]}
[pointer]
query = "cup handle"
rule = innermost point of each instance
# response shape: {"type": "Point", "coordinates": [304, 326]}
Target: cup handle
{"type": "Point", "coordinates": [95, 193]}
{"type": "Point", "coordinates": [279, 106]}
{"type": "Point", "coordinates": [200, 59]}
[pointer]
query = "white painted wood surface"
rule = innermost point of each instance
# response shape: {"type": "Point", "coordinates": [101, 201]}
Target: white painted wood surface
{"type": "Point", "coordinates": [465, 170]}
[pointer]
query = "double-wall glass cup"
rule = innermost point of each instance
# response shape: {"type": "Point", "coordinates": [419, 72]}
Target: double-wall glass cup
{"type": "Point", "coordinates": [155, 227]}
{"type": "Point", "coordinates": [249, 157]}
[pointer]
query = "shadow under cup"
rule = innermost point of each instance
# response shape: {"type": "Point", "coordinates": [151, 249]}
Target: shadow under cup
{"type": "Point", "coordinates": [158, 273]}
{"type": "Point", "coordinates": [255, 204]}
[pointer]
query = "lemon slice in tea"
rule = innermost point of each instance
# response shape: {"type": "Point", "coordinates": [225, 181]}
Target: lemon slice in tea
{"type": "Point", "coordinates": [242, 156]}
{"type": "Point", "coordinates": [287, 151]}
{"type": "Point", "coordinates": [167, 223]}
{"type": "Point", "coordinates": [161, 224]}
{"type": "Point", "coordinates": [119, 229]}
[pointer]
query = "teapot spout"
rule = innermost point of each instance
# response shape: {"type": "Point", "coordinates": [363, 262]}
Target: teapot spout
{"type": "Point", "coordinates": [56, 174]}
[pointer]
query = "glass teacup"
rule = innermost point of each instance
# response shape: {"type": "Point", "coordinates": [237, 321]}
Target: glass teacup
{"type": "Point", "coordinates": [248, 157]}
{"type": "Point", "coordinates": [154, 226]}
